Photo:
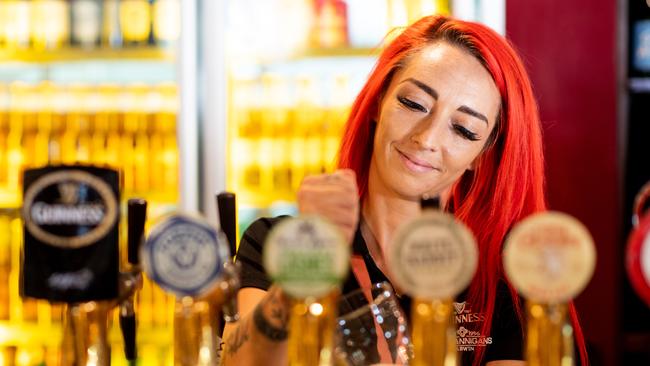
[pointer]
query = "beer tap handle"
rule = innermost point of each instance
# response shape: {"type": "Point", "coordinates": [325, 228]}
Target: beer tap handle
{"type": "Point", "coordinates": [137, 214]}
{"type": "Point", "coordinates": [231, 287]}
{"type": "Point", "coordinates": [226, 205]}
{"type": "Point", "coordinates": [227, 208]}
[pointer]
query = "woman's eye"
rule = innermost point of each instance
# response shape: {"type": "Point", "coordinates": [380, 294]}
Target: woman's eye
{"type": "Point", "coordinates": [466, 133]}
{"type": "Point", "coordinates": [411, 104]}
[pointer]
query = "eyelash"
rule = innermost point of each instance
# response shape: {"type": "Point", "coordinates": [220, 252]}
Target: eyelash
{"type": "Point", "coordinates": [412, 105]}
{"type": "Point", "coordinates": [417, 107]}
{"type": "Point", "coordinates": [466, 133]}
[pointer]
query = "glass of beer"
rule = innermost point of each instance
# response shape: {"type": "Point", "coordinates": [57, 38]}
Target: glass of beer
{"type": "Point", "coordinates": [371, 328]}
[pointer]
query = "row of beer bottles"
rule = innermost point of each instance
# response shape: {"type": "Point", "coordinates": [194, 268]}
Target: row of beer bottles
{"type": "Point", "coordinates": [279, 106]}
{"type": "Point", "coordinates": [132, 128]}
{"type": "Point", "coordinates": [52, 24]}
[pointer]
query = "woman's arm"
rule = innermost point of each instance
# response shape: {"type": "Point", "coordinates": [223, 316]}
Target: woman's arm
{"type": "Point", "coordinates": [260, 336]}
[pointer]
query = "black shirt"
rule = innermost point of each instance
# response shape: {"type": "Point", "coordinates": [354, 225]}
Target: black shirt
{"type": "Point", "coordinates": [505, 341]}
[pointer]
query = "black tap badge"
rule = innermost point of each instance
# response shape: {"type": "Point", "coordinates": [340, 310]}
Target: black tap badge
{"type": "Point", "coordinates": [70, 217]}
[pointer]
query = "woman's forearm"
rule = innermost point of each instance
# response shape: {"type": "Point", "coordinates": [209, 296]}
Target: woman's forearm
{"type": "Point", "coordinates": [261, 336]}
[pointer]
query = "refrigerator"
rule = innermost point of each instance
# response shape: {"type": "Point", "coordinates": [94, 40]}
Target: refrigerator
{"type": "Point", "coordinates": [187, 98]}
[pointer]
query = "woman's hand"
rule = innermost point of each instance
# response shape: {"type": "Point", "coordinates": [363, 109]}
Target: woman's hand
{"type": "Point", "coordinates": [333, 196]}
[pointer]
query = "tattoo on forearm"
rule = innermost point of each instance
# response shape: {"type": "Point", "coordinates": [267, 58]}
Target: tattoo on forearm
{"type": "Point", "coordinates": [278, 314]}
{"type": "Point", "coordinates": [237, 339]}
{"type": "Point", "coordinates": [281, 315]}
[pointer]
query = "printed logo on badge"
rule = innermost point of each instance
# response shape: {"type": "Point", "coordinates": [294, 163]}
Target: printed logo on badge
{"type": "Point", "coordinates": [433, 256]}
{"type": "Point", "coordinates": [306, 256]}
{"type": "Point", "coordinates": [185, 255]}
{"type": "Point", "coordinates": [69, 208]}
{"type": "Point", "coordinates": [549, 257]}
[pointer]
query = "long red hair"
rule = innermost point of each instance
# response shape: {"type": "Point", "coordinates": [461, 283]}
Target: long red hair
{"type": "Point", "coordinates": [508, 182]}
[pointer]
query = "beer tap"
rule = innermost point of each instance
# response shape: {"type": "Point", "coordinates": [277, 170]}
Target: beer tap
{"type": "Point", "coordinates": [189, 257]}
{"type": "Point", "coordinates": [549, 257]}
{"type": "Point", "coordinates": [638, 246]}
{"type": "Point", "coordinates": [131, 279]}
{"type": "Point", "coordinates": [227, 209]}
{"type": "Point", "coordinates": [433, 258]}
{"type": "Point", "coordinates": [307, 257]}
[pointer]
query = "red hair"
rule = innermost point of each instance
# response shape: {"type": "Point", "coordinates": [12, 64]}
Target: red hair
{"type": "Point", "coordinates": [508, 182]}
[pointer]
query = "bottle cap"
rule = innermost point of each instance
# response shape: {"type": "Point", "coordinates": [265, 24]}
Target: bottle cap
{"type": "Point", "coordinates": [549, 257]}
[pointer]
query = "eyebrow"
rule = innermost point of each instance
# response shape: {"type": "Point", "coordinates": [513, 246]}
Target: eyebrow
{"type": "Point", "coordinates": [473, 113]}
{"type": "Point", "coordinates": [425, 88]}
{"type": "Point", "coordinates": [434, 94]}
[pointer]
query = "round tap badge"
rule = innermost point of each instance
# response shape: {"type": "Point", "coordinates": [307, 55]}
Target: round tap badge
{"type": "Point", "coordinates": [185, 255]}
{"type": "Point", "coordinates": [70, 208]}
{"type": "Point", "coordinates": [549, 257]}
{"type": "Point", "coordinates": [306, 256]}
{"type": "Point", "coordinates": [433, 256]}
{"type": "Point", "coordinates": [638, 259]}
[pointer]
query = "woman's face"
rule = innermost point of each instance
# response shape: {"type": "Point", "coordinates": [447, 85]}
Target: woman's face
{"type": "Point", "coordinates": [434, 120]}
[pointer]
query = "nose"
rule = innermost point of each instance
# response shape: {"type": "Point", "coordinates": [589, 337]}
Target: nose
{"type": "Point", "coordinates": [428, 134]}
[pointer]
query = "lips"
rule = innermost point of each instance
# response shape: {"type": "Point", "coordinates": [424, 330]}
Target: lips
{"type": "Point", "coordinates": [414, 164]}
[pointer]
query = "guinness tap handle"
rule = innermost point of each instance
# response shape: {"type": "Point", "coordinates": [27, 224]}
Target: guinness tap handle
{"type": "Point", "coordinates": [228, 218]}
{"type": "Point", "coordinates": [137, 214]}
{"type": "Point", "coordinates": [128, 326]}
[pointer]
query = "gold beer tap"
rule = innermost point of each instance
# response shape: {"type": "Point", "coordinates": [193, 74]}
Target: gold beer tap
{"type": "Point", "coordinates": [308, 258]}
{"type": "Point", "coordinates": [190, 258]}
{"type": "Point", "coordinates": [131, 279]}
{"type": "Point", "coordinates": [86, 329]}
{"type": "Point", "coordinates": [433, 258]}
{"type": "Point", "coordinates": [227, 210]}
{"type": "Point", "coordinates": [549, 258]}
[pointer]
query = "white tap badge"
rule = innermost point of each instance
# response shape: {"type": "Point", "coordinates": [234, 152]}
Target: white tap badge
{"type": "Point", "coordinates": [185, 255]}
{"type": "Point", "coordinates": [433, 257]}
{"type": "Point", "coordinates": [549, 257]}
{"type": "Point", "coordinates": [306, 256]}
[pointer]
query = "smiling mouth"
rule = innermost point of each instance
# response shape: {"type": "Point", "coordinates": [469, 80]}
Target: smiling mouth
{"type": "Point", "coordinates": [414, 165]}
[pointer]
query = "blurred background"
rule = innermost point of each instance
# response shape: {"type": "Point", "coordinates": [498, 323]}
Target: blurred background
{"type": "Point", "coordinates": [191, 97]}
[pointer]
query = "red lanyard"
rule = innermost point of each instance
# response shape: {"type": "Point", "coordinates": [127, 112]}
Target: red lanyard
{"type": "Point", "coordinates": [363, 277]}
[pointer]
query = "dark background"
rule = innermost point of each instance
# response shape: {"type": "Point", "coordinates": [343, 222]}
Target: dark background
{"type": "Point", "coordinates": [597, 136]}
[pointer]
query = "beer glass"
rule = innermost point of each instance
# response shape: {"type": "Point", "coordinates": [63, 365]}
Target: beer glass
{"type": "Point", "coordinates": [372, 328]}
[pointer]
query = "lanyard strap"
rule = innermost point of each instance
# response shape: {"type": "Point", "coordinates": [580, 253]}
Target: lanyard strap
{"type": "Point", "coordinates": [363, 278]}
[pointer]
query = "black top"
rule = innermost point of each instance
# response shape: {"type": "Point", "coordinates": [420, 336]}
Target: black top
{"type": "Point", "coordinates": [505, 341]}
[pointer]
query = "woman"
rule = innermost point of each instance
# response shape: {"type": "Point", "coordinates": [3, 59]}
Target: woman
{"type": "Point", "coordinates": [448, 110]}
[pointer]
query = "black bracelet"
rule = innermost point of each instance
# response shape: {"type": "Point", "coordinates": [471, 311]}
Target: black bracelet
{"type": "Point", "coordinates": [271, 332]}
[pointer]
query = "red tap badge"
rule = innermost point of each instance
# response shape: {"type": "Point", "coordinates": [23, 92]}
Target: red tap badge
{"type": "Point", "coordinates": [638, 249]}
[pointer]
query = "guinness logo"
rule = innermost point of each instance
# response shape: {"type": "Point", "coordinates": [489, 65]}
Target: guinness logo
{"type": "Point", "coordinates": [460, 307]}
{"type": "Point", "coordinates": [69, 208]}
{"type": "Point", "coordinates": [69, 193]}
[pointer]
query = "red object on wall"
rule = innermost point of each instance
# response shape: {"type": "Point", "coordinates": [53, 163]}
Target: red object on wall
{"type": "Point", "coordinates": [569, 48]}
